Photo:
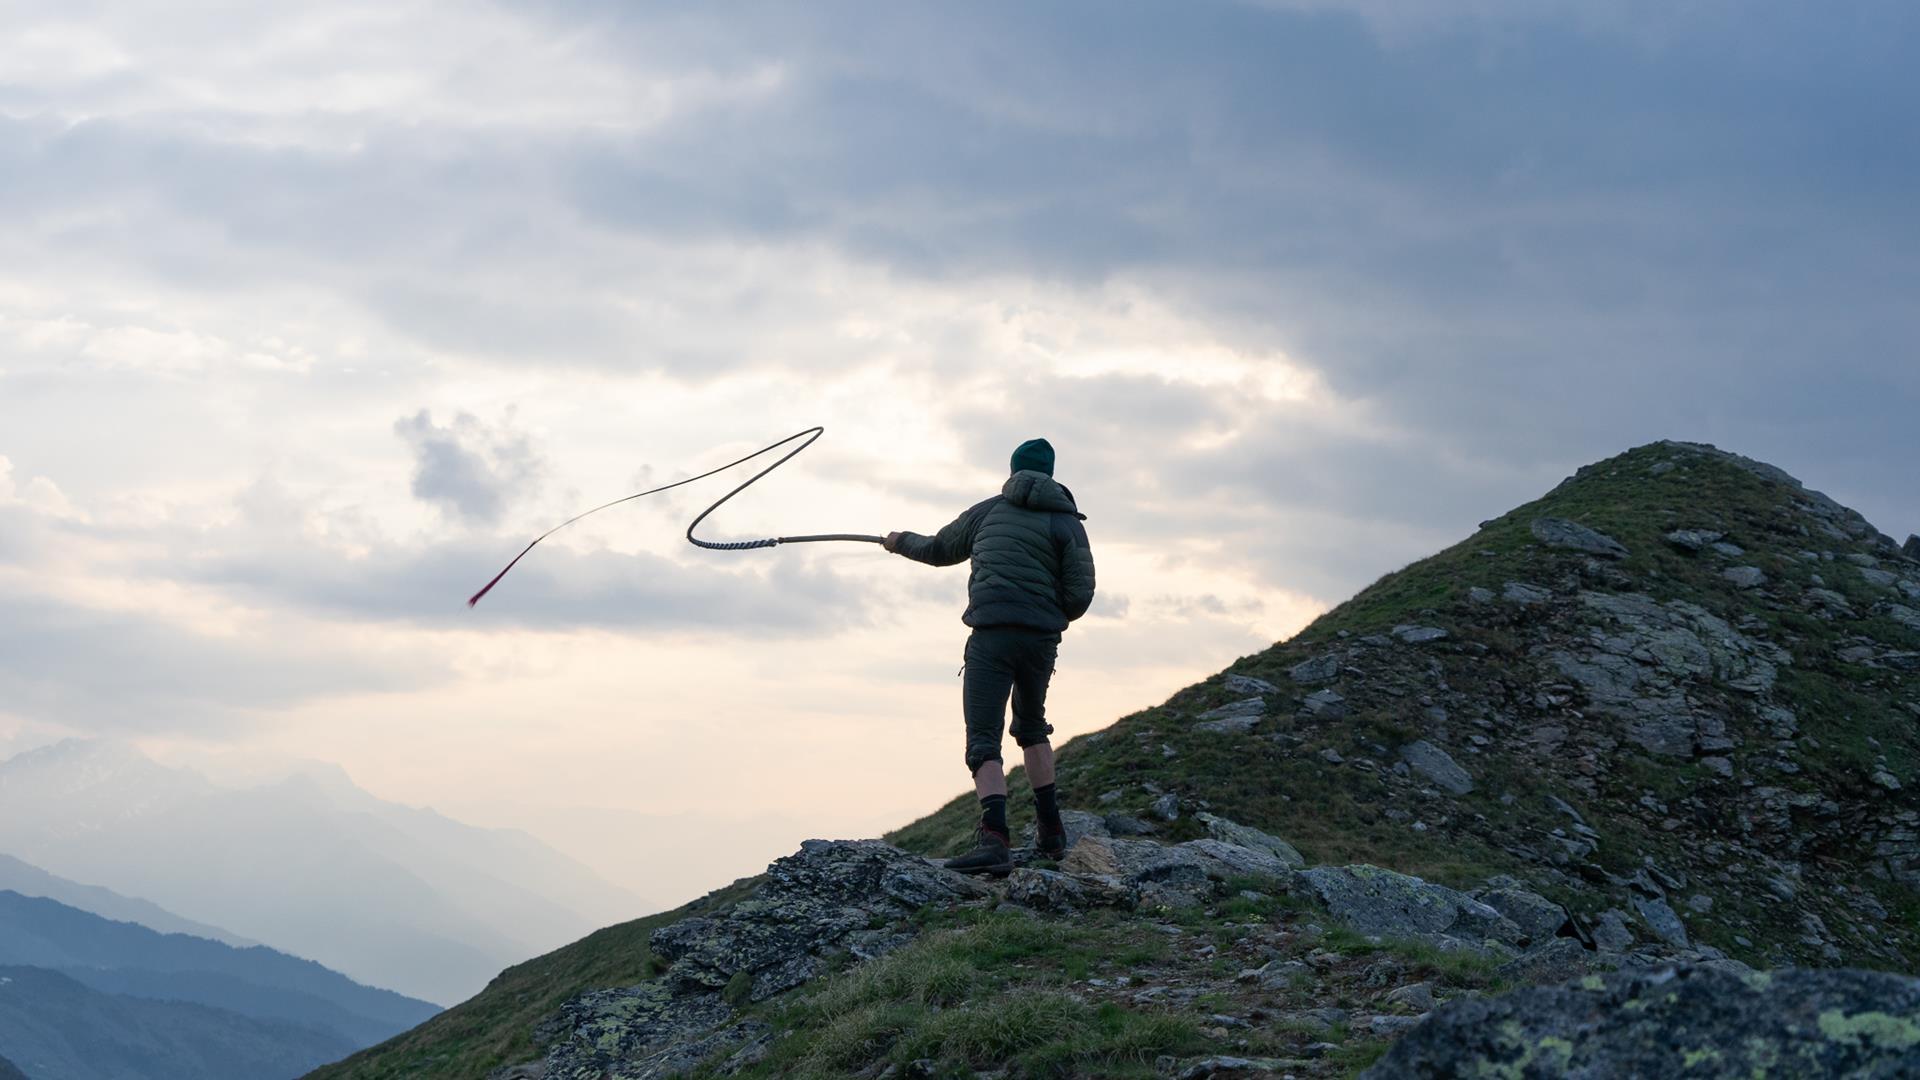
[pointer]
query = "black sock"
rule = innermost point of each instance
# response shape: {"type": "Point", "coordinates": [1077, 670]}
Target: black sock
{"type": "Point", "coordinates": [1048, 805]}
{"type": "Point", "coordinates": [993, 813]}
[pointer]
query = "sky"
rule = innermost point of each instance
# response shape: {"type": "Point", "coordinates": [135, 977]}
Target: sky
{"type": "Point", "coordinates": [312, 315]}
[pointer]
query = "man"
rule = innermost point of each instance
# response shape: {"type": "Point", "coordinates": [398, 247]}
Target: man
{"type": "Point", "coordinates": [1032, 574]}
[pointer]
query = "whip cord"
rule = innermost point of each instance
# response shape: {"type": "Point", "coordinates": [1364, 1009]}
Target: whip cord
{"type": "Point", "coordinates": [810, 434]}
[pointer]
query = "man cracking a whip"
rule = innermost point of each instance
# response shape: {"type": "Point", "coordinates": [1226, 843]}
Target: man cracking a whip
{"type": "Point", "coordinates": [1031, 575]}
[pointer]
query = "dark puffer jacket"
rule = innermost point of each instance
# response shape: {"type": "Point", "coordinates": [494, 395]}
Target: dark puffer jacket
{"type": "Point", "coordinates": [1032, 565]}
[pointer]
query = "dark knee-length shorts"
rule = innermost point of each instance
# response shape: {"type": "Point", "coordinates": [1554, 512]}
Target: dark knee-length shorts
{"type": "Point", "coordinates": [1003, 661]}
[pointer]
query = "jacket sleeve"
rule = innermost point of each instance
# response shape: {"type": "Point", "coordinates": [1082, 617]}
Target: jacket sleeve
{"type": "Point", "coordinates": [1076, 565]}
{"type": "Point", "coordinates": [950, 545]}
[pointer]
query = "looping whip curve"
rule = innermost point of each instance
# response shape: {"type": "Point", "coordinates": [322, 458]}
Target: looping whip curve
{"type": "Point", "coordinates": [811, 434]}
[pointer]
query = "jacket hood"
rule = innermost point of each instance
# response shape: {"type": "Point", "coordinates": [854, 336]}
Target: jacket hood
{"type": "Point", "coordinates": [1036, 490]}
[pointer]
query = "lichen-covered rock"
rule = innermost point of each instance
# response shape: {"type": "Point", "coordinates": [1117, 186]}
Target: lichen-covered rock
{"type": "Point", "coordinates": [1518, 592]}
{"type": "Point", "coordinates": [1051, 890]}
{"type": "Point", "coordinates": [1643, 657]}
{"type": "Point", "coordinates": [1692, 539]}
{"type": "Point", "coordinates": [1694, 1022]}
{"type": "Point", "coordinates": [1387, 904]}
{"type": "Point", "coordinates": [1573, 536]}
{"type": "Point", "coordinates": [639, 1033]}
{"type": "Point", "coordinates": [811, 901]}
{"type": "Point", "coordinates": [1537, 917]}
{"type": "Point", "coordinates": [1437, 766]}
{"type": "Point", "coordinates": [825, 897]}
{"type": "Point", "coordinates": [1558, 960]}
{"type": "Point", "coordinates": [1322, 668]}
{"type": "Point", "coordinates": [1247, 684]}
{"type": "Point", "coordinates": [1247, 836]}
{"type": "Point", "coordinates": [1246, 707]}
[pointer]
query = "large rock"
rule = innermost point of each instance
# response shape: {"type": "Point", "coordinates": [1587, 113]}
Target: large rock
{"type": "Point", "coordinates": [1911, 549]}
{"type": "Point", "coordinates": [1197, 864]}
{"type": "Point", "coordinates": [1323, 668]}
{"type": "Point", "coordinates": [1247, 684]}
{"type": "Point", "coordinates": [1385, 904]}
{"type": "Point", "coordinates": [812, 900]}
{"type": "Point", "coordinates": [1050, 890]}
{"type": "Point", "coordinates": [1573, 536]}
{"type": "Point", "coordinates": [830, 896]}
{"type": "Point", "coordinates": [1434, 763]}
{"type": "Point", "coordinates": [640, 1033]}
{"type": "Point", "coordinates": [1693, 1022]}
{"type": "Point", "coordinates": [1247, 836]}
{"type": "Point", "coordinates": [1642, 656]}
{"type": "Point", "coordinates": [1539, 918]}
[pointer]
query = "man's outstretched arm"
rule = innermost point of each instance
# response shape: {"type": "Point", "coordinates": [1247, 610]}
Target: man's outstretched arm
{"type": "Point", "coordinates": [950, 545]}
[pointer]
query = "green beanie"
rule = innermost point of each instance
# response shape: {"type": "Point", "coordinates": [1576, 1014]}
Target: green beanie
{"type": "Point", "coordinates": [1035, 454]}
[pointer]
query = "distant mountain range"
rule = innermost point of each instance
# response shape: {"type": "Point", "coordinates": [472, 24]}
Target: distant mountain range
{"type": "Point", "coordinates": [28, 880]}
{"type": "Point", "coordinates": [126, 959]}
{"type": "Point", "coordinates": [390, 895]}
{"type": "Point", "coordinates": [53, 1027]}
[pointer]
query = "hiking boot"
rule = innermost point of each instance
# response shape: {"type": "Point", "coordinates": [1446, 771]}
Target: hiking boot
{"type": "Point", "coordinates": [1050, 844]}
{"type": "Point", "coordinates": [989, 856]}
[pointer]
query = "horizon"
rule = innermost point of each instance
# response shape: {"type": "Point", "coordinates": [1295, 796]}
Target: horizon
{"type": "Point", "coordinates": [310, 320]}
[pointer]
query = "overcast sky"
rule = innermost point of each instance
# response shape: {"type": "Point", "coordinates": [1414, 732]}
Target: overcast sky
{"type": "Point", "coordinates": [311, 315]}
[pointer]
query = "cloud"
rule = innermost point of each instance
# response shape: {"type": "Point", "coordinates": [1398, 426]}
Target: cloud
{"type": "Point", "coordinates": [104, 670]}
{"type": "Point", "coordinates": [468, 468]}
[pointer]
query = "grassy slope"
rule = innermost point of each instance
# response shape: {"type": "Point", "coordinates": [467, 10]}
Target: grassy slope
{"type": "Point", "coordinates": [1335, 815]}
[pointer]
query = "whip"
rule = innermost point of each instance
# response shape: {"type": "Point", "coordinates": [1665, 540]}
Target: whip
{"type": "Point", "coordinates": [810, 434]}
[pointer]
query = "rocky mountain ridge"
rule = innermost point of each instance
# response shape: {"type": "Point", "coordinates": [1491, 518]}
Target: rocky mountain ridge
{"type": "Point", "coordinates": [1658, 725]}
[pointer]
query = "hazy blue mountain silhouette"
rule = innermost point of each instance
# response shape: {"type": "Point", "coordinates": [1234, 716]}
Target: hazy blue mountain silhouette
{"type": "Point", "coordinates": [54, 1028]}
{"type": "Point", "coordinates": [29, 880]}
{"type": "Point", "coordinates": [124, 958]}
{"type": "Point", "coordinates": [391, 895]}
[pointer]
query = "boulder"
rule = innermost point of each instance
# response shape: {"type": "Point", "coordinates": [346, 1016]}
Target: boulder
{"type": "Point", "coordinates": [1323, 668]}
{"type": "Point", "coordinates": [824, 898]}
{"type": "Point", "coordinates": [1558, 960]}
{"type": "Point", "coordinates": [1418, 635]}
{"type": "Point", "coordinates": [1537, 917]}
{"type": "Point", "coordinates": [1611, 932]}
{"type": "Point", "coordinates": [1692, 539]}
{"type": "Point", "coordinates": [1247, 684]}
{"type": "Point", "coordinates": [1237, 861]}
{"type": "Point", "coordinates": [1661, 919]}
{"type": "Point", "coordinates": [1691, 1021]}
{"type": "Point", "coordinates": [1051, 890]}
{"type": "Point", "coordinates": [1386, 904]}
{"type": "Point", "coordinates": [640, 1032]}
{"type": "Point", "coordinates": [1434, 763]}
{"type": "Point", "coordinates": [1327, 704]}
{"type": "Point", "coordinates": [811, 902]}
{"type": "Point", "coordinates": [1911, 549]}
{"type": "Point", "coordinates": [1745, 577]}
{"type": "Point", "coordinates": [1517, 592]}
{"type": "Point", "coordinates": [1246, 836]}
{"type": "Point", "coordinates": [1573, 536]}
{"type": "Point", "coordinates": [1246, 707]}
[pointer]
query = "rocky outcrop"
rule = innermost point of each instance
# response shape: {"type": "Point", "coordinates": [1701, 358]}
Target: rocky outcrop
{"type": "Point", "coordinates": [849, 896]}
{"type": "Point", "coordinates": [1573, 536]}
{"type": "Point", "coordinates": [1386, 904]}
{"type": "Point", "coordinates": [1694, 1022]}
